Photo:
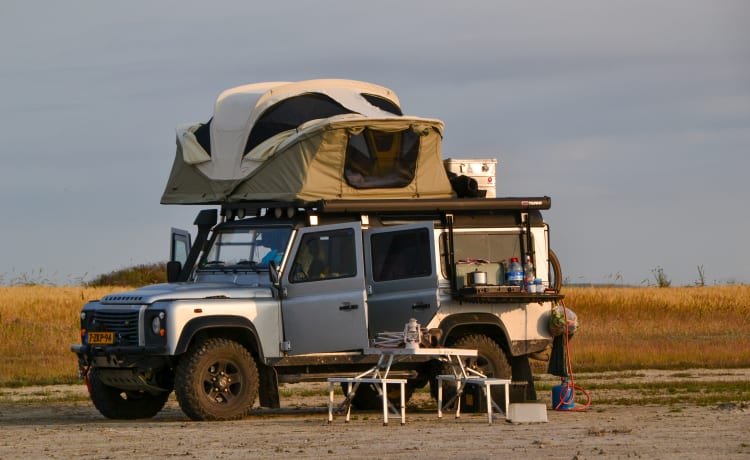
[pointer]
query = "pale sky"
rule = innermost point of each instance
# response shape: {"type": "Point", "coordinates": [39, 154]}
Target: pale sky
{"type": "Point", "coordinates": [634, 116]}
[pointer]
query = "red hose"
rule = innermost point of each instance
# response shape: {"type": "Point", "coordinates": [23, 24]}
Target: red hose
{"type": "Point", "coordinates": [568, 395]}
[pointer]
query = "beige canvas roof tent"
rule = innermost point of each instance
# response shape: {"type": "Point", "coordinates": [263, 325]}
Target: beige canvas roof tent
{"type": "Point", "coordinates": [307, 141]}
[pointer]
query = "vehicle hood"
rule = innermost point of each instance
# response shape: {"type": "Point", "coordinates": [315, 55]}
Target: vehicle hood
{"type": "Point", "coordinates": [186, 291]}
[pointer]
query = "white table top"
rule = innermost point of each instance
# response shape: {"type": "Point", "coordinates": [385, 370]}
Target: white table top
{"type": "Point", "coordinates": [420, 351]}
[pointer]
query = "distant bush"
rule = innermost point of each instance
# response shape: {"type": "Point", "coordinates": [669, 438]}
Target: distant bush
{"type": "Point", "coordinates": [138, 275]}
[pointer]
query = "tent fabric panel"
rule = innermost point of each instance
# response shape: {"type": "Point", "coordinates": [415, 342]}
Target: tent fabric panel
{"type": "Point", "coordinates": [192, 151]}
{"type": "Point", "coordinates": [324, 175]}
{"type": "Point", "coordinates": [186, 185]}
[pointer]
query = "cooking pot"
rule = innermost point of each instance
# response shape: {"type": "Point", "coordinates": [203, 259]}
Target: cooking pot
{"type": "Point", "coordinates": [476, 278]}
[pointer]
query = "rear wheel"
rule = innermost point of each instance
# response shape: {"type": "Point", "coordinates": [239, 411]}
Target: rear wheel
{"type": "Point", "coordinates": [490, 361]}
{"type": "Point", "coordinates": [217, 379]}
{"type": "Point", "coordinates": [114, 403]}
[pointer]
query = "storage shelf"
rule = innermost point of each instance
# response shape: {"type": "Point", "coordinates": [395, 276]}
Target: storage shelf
{"type": "Point", "coordinates": [503, 294]}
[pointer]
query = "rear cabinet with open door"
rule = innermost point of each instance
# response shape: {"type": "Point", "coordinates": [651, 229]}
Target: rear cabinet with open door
{"type": "Point", "coordinates": [324, 307]}
{"type": "Point", "coordinates": [400, 276]}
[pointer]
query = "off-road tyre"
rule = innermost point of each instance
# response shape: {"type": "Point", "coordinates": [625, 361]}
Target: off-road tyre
{"type": "Point", "coordinates": [117, 404]}
{"type": "Point", "coordinates": [491, 361]}
{"type": "Point", "coordinates": [366, 397]}
{"type": "Point", "coordinates": [217, 379]}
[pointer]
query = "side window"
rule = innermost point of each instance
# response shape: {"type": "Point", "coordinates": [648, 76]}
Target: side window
{"type": "Point", "coordinates": [401, 255]}
{"type": "Point", "coordinates": [324, 256]}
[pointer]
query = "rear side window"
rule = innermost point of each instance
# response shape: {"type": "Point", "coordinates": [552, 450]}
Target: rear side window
{"type": "Point", "coordinates": [400, 255]}
{"type": "Point", "coordinates": [380, 159]}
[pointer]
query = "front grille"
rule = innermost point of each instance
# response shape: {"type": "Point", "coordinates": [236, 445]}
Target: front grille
{"type": "Point", "coordinates": [123, 323]}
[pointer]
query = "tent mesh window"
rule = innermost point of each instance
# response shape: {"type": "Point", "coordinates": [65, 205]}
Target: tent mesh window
{"type": "Point", "coordinates": [379, 159]}
{"type": "Point", "coordinates": [382, 103]}
{"type": "Point", "coordinates": [203, 136]}
{"type": "Point", "coordinates": [291, 113]}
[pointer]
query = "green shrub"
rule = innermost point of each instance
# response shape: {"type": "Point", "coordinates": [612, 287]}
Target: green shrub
{"type": "Point", "coordinates": [138, 275]}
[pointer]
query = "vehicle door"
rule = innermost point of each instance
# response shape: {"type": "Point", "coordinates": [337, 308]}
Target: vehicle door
{"type": "Point", "coordinates": [400, 276]}
{"type": "Point", "coordinates": [323, 308]}
{"type": "Point", "coordinates": [180, 245]}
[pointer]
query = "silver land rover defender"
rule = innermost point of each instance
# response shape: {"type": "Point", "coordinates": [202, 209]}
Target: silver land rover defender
{"type": "Point", "coordinates": [330, 231]}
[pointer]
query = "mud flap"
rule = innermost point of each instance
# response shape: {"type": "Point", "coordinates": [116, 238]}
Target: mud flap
{"type": "Point", "coordinates": [268, 394]}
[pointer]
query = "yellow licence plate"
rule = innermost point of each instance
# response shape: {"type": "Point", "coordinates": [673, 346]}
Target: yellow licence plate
{"type": "Point", "coordinates": [101, 338]}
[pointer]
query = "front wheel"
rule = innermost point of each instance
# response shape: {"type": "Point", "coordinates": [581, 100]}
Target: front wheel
{"type": "Point", "coordinates": [217, 379]}
{"type": "Point", "coordinates": [116, 404]}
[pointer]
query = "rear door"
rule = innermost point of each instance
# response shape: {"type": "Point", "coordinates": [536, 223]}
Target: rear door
{"type": "Point", "coordinates": [324, 308]}
{"type": "Point", "coordinates": [400, 276]}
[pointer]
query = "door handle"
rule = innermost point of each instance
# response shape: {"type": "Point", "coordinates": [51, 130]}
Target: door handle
{"type": "Point", "coordinates": [420, 306]}
{"type": "Point", "coordinates": [348, 306]}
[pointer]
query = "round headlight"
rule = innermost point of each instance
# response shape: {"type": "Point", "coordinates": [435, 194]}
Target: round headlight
{"type": "Point", "coordinates": [83, 315]}
{"type": "Point", "coordinates": [156, 325]}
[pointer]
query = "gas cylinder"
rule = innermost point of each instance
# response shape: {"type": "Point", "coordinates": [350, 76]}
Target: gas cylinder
{"type": "Point", "coordinates": [563, 396]}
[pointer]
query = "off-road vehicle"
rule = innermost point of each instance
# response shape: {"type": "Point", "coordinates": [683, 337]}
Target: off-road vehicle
{"type": "Point", "coordinates": [335, 222]}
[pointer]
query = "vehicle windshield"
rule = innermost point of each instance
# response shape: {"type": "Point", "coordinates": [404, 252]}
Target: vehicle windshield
{"type": "Point", "coordinates": [247, 248]}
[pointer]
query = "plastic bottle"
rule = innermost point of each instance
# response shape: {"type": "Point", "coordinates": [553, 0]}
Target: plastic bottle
{"type": "Point", "coordinates": [528, 274]}
{"type": "Point", "coordinates": [515, 272]}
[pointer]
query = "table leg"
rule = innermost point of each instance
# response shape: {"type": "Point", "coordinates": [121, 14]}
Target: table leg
{"type": "Point", "coordinates": [459, 389]}
{"type": "Point", "coordinates": [403, 403]}
{"type": "Point", "coordinates": [440, 398]}
{"type": "Point", "coordinates": [507, 399]}
{"type": "Point", "coordinates": [488, 394]}
{"type": "Point", "coordinates": [349, 396]}
{"type": "Point", "coordinates": [384, 394]}
{"type": "Point", "coordinates": [330, 402]}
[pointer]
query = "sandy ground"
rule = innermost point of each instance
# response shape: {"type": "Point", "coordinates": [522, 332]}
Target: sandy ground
{"type": "Point", "coordinates": [33, 427]}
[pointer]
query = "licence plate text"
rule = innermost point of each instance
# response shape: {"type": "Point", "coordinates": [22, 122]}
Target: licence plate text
{"type": "Point", "coordinates": [101, 338]}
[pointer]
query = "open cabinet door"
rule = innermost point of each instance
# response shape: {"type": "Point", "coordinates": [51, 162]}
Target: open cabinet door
{"type": "Point", "coordinates": [323, 306]}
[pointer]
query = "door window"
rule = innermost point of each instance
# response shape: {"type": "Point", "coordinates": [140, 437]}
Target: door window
{"type": "Point", "coordinates": [401, 255]}
{"type": "Point", "coordinates": [324, 256]}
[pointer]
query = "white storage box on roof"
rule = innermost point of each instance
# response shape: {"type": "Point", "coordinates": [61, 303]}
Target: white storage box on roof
{"type": "Point", "coordinates": [481, 170]}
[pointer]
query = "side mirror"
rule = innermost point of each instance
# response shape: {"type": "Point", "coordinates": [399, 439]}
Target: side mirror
{"type": "Point", "coordinates": [273, 273]}
{"type": "Point", "coordinates": [173, 271]}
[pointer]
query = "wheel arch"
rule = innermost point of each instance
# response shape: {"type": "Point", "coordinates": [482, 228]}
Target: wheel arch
{"type": "Point", "coordinates": [231, 327]}
{"type": "Point", "coordinates": [463, 324]}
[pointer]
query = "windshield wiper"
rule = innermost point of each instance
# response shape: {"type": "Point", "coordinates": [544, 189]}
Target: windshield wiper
{"type": "Point", "coordinates": [212, 263]}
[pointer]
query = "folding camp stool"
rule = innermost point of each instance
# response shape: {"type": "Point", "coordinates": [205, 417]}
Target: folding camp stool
{"type": "Point", "coordinates": [486, 384]}
{"type": "Point", "coordinates": [350, 387]}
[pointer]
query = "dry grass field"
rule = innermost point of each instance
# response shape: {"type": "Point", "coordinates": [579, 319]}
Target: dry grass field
{"type": "Point", "coordinates": [621, 328]}
{"type": "Point", "coordinates": [664, 328]}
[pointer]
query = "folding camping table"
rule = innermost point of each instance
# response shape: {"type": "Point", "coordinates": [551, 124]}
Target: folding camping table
{"type": "Point", "coordinates": [378, 375]}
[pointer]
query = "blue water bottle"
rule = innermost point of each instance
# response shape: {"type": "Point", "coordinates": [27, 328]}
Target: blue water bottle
{"type": "Point", "coordinates": [515, 272]}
